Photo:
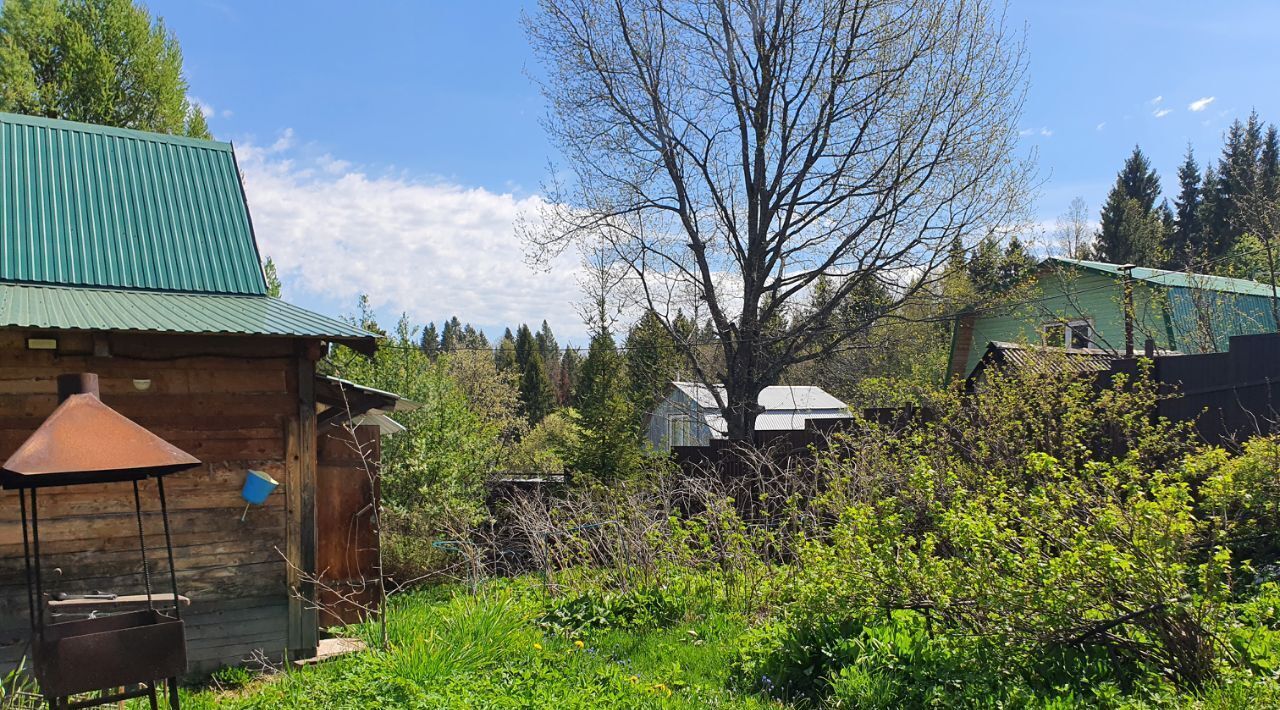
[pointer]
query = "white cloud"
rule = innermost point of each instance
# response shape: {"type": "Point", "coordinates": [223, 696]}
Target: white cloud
{"type": "Point", "coordinates": [1156, 100]}
{"type": "Point", "coordinates": [1100, 126]}
{"type": "Point", "coordinates": [1025, 132]}
{"type": "Point", "coordinates": [428, 248]}
{"type": "Point", "coordinates": [1200, 104]}
{"type": "Point", "coordinates": [1161, 113]}
{"type": "Point", "coordinates": [283, 143]}
{"type": "Point", "coordinates": [1046, 131]}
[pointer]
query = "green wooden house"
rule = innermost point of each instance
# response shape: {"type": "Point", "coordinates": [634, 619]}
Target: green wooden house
{"type": "Point", "coordinates": [1079, 305]}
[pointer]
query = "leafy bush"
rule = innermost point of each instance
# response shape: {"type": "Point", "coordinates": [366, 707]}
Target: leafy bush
{"type": "Point", "coordinates": [596, 610]}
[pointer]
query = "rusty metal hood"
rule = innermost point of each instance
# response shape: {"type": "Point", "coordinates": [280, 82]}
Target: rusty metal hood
{"type": "Point", "coordinates": [85, 441]}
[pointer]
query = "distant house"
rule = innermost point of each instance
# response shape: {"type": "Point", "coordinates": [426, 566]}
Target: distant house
{"type": "Point", "coordinates": [1079, 306]}
{"type": "Point", "coordinates": [689, 416]}
{"type": "Point", "coordinates": [132, 255]}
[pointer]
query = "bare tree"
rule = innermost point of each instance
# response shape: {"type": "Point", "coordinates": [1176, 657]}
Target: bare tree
{"type": "Point", "coordinates": [729, 153]}
{"type": "Point", "coordinates": [1074, 231]}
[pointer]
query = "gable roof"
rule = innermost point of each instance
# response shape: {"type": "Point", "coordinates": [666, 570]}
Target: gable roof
{"type": "Point", "coordinates": [786, 407]}
{"type": "Point", "coordinates": [86, 205]}
{"type": "Point", "coordinates": [779, 398]}
{"type": "Point", "coordinates": [1172, 279]}
{"type": "Point", "coordinates": [114, 229]}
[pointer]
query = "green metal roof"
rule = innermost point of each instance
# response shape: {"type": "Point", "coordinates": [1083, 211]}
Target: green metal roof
{"type": "Point", "coordinates": [1175, 279]}
{"type": "Point", "coordinates": [73, 308]}
{"type": "Point", "coordinates": [86, 205]}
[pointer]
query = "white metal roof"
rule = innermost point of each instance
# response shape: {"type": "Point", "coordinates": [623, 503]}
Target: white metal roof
{"type": "Point", "coordinates": [779, 398]}
{"type": "Point", "coordinates": [786, 408]}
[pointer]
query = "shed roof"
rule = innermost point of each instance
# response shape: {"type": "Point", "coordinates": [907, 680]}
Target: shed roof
{"type": "Point", "coordinates": [1045, 360]}
{"type": "Point", "coordinates": [1174, 279]}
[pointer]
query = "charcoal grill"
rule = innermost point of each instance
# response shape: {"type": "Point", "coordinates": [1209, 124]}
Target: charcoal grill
{"type": "Point", "coordinates": [113, 657]}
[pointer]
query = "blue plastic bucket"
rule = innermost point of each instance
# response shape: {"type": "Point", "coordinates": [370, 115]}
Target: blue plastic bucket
{"type": "Point", "coordinates": [257, 486]}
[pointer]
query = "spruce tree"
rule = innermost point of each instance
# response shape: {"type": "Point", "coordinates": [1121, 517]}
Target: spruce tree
{"type": "Point", "coordinates": [430, 340]}
{"type": "Point", "coordinates": [570, 376]}
{"type": "Point", "coordinates": [1237, 177]}
{"type": "Point", "coordinates": [504, 356]}
{"type": "Point", "coordinates": [1214, 217]}
{"type": "Point", "coordinates": [451, 335]}
{"type": "Point", "coordinates": [547, 345]}
{"type": "Point", "coordinates": [525, 346]}
{"type": "Point", "coordinates": [1269, 166]}
{"type": "Point", "coordinates": [609, 447]}
{"type": "Point", "coordinates": [653, 359]}
{"type": "Point", "coordinates": [537, 398]}
{"type": "Point", "coordinates": [1132, 230]}
{"type": "Point", "coordinates": [1185, 239]}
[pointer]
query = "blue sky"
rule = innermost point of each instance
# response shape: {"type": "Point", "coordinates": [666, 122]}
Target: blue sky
{"type": "Point", "coordinates": [388, 146]}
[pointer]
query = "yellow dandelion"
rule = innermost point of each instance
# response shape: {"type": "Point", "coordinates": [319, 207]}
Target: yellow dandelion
{"type": "Point", "coordinates": [578, 644]}
{"type": "Point", "coordinates": [537, 647]}
{"type": "Point", "coordinates": [634, 679]}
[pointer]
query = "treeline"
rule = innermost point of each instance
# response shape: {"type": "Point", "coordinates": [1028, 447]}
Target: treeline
{"type": "Point", "coordinates": [552, 377]}
{"type": "Point", "coordinates": [1221, 220]}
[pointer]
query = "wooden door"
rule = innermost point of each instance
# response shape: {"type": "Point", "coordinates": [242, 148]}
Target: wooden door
{"type": "Point", "coordinates": [346, 512]}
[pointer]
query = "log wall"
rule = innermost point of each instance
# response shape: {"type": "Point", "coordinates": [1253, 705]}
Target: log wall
{"type": "Point", "coordinates": [229, 401]}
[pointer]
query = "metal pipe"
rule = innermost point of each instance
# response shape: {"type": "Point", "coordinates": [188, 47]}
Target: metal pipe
{"type": "Point", "coordinates": [35, 561]}
{"type": "Point", "coordinates": [168, 545]}
{"type": "Point", "coordinates": [78, 383]}
{"type": "Point", "coordinates": [142, 543]}
{"type": "Point", "coordinates": [26, 559]}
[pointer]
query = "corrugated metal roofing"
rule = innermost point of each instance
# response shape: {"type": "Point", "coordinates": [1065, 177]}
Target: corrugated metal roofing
{"type": "Point", "coordinates": [59, 307]}
{"type": "Point", "coordinates": [1176, 279]}
{"type": "Point", "coordinates": [86, 205]}
{"type": "Point", "coordinates": [778, 397]}
{"type": "Point", "coordinates": [1046, 360]}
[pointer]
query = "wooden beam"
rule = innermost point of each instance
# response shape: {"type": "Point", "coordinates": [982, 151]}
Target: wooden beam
{"type": "Point", "coordinates": [300, 447]}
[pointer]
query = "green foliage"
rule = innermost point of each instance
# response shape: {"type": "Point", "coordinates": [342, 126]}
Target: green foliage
{"type": "Point", "coordinates": [596, 610]}
{"type": "Point", "coordinates": [1037, 516]}
{"type": "Point", "coordinates": [272, 277]}
{"type": "Point", "coordinates": [505, 354]}
{"type": "Point", "coordinates": [653, 358]}
{"type": "Point", "coordinates": [608, 449]}
{"type": "Point", "coordinates": [98, 61]}
{"type": "Point", "coordinates": [537, 397]}
{"type": "Point", "coordinates": [549, 446]}
{"type": "Point", "coordinates": [432, 474]}
{"type": "Point", "coordinates": [1241, 495]}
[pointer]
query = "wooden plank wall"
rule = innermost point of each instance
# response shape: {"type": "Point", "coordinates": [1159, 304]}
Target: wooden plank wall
{"type": "Point", "coordinates": [346, 510]}
{"type": "Point", "coordinates": [226, 400]}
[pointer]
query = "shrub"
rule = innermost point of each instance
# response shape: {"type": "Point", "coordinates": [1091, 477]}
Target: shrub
{"type": "Point", "coordinates": [595, 610]}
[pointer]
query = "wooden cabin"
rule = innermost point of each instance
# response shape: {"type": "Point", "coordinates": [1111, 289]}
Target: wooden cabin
{"type": "Point", "coordinates": [132, 255]}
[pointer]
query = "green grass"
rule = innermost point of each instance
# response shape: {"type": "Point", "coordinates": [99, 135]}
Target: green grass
{"type": "Point", "coordinates": [510, 647]}
{"type": "Point", "coordinates": [489, 651]}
